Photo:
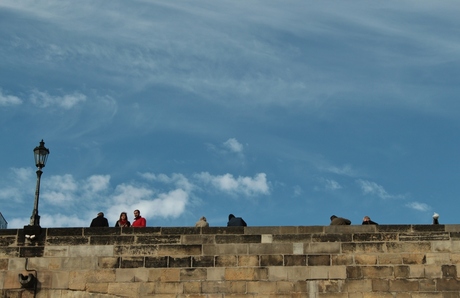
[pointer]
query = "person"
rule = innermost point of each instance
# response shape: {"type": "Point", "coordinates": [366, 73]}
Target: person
{"type": "Point", "coordinates": [367, 221]}
{"type": "Point", "coordinates": [202, 223]}
{"type": "Point", "coordinates": [435, 219]}
{"type": "Point", "coordinates": [139, 221]}
{"type": "Point", "coordinates": [339, 221]}
{"type": "Point", "coordinates": [99, 221]}
{"type": "Point", "coordinates": [235, 221]}
{"type": "Point", "coordinates": [123, 222]}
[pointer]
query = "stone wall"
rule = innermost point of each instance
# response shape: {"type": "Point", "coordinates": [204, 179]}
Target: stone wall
{"type": "Point", "coordinates": [400, 261]}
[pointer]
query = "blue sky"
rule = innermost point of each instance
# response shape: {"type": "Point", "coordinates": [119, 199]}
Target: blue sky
{"type": "Point", "coordinates": [282, 112]}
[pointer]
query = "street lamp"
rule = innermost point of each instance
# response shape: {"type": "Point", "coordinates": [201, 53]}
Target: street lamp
{"type": "Point", "coordinates": [40, 155]}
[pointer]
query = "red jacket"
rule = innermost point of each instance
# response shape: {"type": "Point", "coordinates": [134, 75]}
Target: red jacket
{"type": "Point", "coordinates": [139, 222]}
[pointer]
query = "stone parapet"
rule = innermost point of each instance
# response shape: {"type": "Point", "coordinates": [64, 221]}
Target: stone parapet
{"type": "Point", "coordinates": [303, 261]}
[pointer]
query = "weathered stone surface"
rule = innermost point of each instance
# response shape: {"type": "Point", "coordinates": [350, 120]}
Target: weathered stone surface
{"type": "Point", "coordinates": [289, 238]}
{"type": "Point", "coordinates": [295, 260]}
{"type": "Point", "coordinates": [449, 271]}
{"type": "Point", "coordinates": [30, 252]}
{"type": "Point", "coordinates": [226, 239]}
{"type": "Point", "coordinates": [365, 247]}
{"type": "Point", "coordinates": [394, 228]}
{"type": "Point", "coordinates": [248, 261]}
{"type": "Point", "coordinates": [101, 231]}
{"type": "Point", "coordinates": [271, 260]}
{"type": "Point", "coordinates": [73, 240]}
{"type": "Point", "coordinates": [158, 239]}
{"type": "Point", "coordinates": [180, 231]}
{"type": "Point", "coordinates": [319, 260]}
{"type": "Point", "coordinates": [7, 241]}
{"type": "Point", "coordinates": [193, 274]}
{"type": "Point", "coordinates": [66, 232]}
{"type": "Point", "coordinates": [8, 232]}
{"type": "Point", "coordinates": [226, 261]}
{"type": "Point", "coordinates": [107, 240]}
{"type": "Point", "coordinates": [156, 262]}
{"type": "Point", "coordinates": [180, 262]}
{"type": "Point", "coordinates": [202, 261]}
{"type": "Point", "coordinates": [362, 237]}
{"type": "Point", "coordinates": [136, 250]}
{"type": "Point", "coordinates": [132, 262]}
{"type": "Point", "coordinates": [331, 237]}
{"type": "Point", "coordinates": [185, 250]}
{"type": "Point", "coordinates": [223, 230]}
{"type": "Point", "coordinates": [423, 236]}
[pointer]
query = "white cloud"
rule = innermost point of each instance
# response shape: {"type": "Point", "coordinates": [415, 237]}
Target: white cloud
{"type": "Point", "coordinates": [372, 188]}
{"type": "Point", "coordinates": [345, 170]}
{"type": "Point", "coordinates": [97, 183]}
{"type": "Point", "coordinates": [233, 145]}
{"type": "Point", "coordinates": [418, 206]}
{"type": "Point", "coordinates": [67, 101]}
{"type": "Point", "coordinates": [241, 185]}
{"type": "Point", "coordinates": [179, 180]}
{"type": "Point", "coordinates": [332, 185]}
{"type": "Point", "coordinates": [9, 100]}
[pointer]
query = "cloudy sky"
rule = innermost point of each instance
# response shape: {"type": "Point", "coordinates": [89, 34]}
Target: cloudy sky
{"type": "Point", "coordinates": [282, 112]}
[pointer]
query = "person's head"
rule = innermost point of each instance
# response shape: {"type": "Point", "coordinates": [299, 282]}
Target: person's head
{"type": "Point", "coordinates": [333, 216]}
{"type": "Point", "coordinates": [100, 214]}
{"type": "Point", "coordinates": [137, 213]}
{"type": "Point", "coordinates": [366, 218]}
{"type": "Point", "coordinates": [203, 218]}
{"type": "Point", "coordinates": [123, 216]}
{"type": "Point", "coordinates": [230, 216]}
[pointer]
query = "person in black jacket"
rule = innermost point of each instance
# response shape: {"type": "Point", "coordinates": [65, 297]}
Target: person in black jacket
{"type": "Point", "coordinates": [367, 221]}
{"type": "Point", "coordinates": [339, 221]}
{"type": "Point", "coordinates": [235, 221]}
{"type": "Point", "coordinates": [99, 221]}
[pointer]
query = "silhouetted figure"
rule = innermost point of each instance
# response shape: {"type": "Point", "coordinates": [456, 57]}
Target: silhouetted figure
{"type": "Point", "coordinates": [202, 223]}
{"type": "Point", "coordinates": [99, 221]}
{"type": "Point", "coordinates": [367, 221]}
{"type": "Point", "coordinates": [235, 221]}
{"type": "Point", "coordinates": [339, 221]}
{"type": "Point", "coordinates": [435, 219]}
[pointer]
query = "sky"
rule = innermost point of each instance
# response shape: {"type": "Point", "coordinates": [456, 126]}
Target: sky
{"type": "Point", "coordinates": [280, 112]}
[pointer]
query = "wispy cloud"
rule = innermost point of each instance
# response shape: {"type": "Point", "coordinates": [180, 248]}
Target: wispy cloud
{"type": "Point", "coordinates": [9, 100]}
{"type": "Point", "coordinates": [233, 145]}
{"type": "Point", "coordinates": [66, 101]}
{"type": "Point", "coordinates": [240, 185]}
{"type": "Point", "coordinates": [372, 188]}
{"type": "Point", "coordinates": [332, 184]}
{"type": "Point", "coordinates": [418, 206]}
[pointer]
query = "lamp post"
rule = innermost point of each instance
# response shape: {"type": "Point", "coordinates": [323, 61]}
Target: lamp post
{"type": "Point", "coordinates": [41, 155]}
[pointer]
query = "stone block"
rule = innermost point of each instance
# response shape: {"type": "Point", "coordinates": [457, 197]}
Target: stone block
{"type": "Point", "coordinates": [297, 273]}
{"type": "Point", "coordinates": [346, 260]}
{"type": "Point", "coordinates": [298, 248]}
{"type": "Point", "coordinates": [319, 272]}
{"type": "Point", "coordinates": [413, 258]}
{"type": "Point", "coordinates": [449, 271]}
{"type": "Point", "coordinates": [290, 238]}
{"type": "Point", "coordinates": [108, 262]}
{"type": "Point", "coordinates": [319, 260]}
{"type": "Point", "coordinates": [180, 230]}
{"type": "Point", "coordinates": [132, 275]}
{"type": "Point", "coordinates": [266, 238]}
{"type": "Point", "coordinates": [427, 295]}
{"type": "Point", "coordinates": [158, 239]}
{"type": "Point", "coordinates": [125, 289]}
{"type": "Point", "coordinates": [77, 280]}
{"type": "Point", "coordinates": [7, 241]}
{"type": "Point", "coordinates": [3, 264]}
{"type": "Point", "coordinates": [428, 228]}
{"type": "Point", "coordinates": [229, 249]}
{"type": "Point", "coordinates": [44, 263]}
{"type": "Point", "coordinates": [102, 288]}
{"type": "Point", "coordinates": [79, 263]}
{"type": "Point", "coordinates": [164, 275]}
{"type": "Point", "coordinates": [31, 252]}
{"type": "Point", "coordinates": [365, 259]}
{"type": "Point", "coordinates": [103, 275]}
{"type": "Point", "coordinates": [380, 285]}
{"type": "Point", "coordinates": [224, 230]}
{"type": "Point", "coordinates": [231, 239]}
{"type": "Point", "coordinates": [442, 246]}
{"type": "Point", "coordinates": [271, 260]}
{"type": "Point", "coordinates": [192, 289]}
{"type": "Point", "coordinates": [378, 295]}
{"type": "Point", "coordinates": [337, 272]}
{"type": "Point", "coordinates": [14, 264]}
{"type": "Point", "coordinates": [427, 285]}
{"type": "Point", "coordinates": [184, 250]}
{"type": "Point", "coordinates": [433, 271]}
{"type": "Point", "coordinates": [424, 236]}
{"type": "Point", "coordinates": [408, 247]}
{"type": "Point", "coordinates": [278, 273]}
{"type": "Point", "coordinates": [202, 261]}
{"type": "Point", "coordinates": [91, 250]}
{"type": "Point", "coordinates": [135, 250]}
{"type": "Point", "coordinates": [401, 271]}
{"type": "Point", "coordinates": [261, 287]}
{"type": "Point", "coordinates": [447, 284]}
{"type": "Point", "coordinates": [245, 273]}
{"type": "Point", "coordinates": [354, 272]}
{"type": "Point", "coordinates": [416, 271]}
{"type": "Point", "coordinates": [333, 295]}
{"type": "Point", "coordinates": [329, 286]}
{"type": "Point", "coordinates": [224, 287]}
{"type": "Point", "coordinates": [306, 230]}
{"type": "Point", "coordinates": [101, 231]}
{"type": "Point", "coordinates": [180, 262]}
{"type": "Point", "coordinates": [248, 261]}
{"type": "Point", "coordinates": [196, 274]}
{"type": "Point", "coordinates": [404, 285]}
{"type": "Point", "coordinates": [385, 259]}
{"type": "Point", "coordinates": [331, 237]}
{"type": "Point", "coordinates": [437, 258]}
{"type": "Point", "coordinates": [66, 232]}
{"type": "Point", "coordinates": [379, 237]}
{"type": "Point", "coordinates": [6, 252]}
{"type": "Point", "coordinates": [394, 228]}
{"type": "Point", "coordinates": [358, 286]}
{"type": "Point", "coordinates": [215, 274]}
{"type": "Point", "coordinates": [61, 240]}
{"type": "Point", "coordinates": [377, 272]}
{"type": "Point", "coordinates": [156, 262]}
{"type": "Point", "coordinates": [8, 232]}
{"type": "Point", "coordinates": [284, 287]}
{"type": "Point", "coordinates": [56, 251]}
{"type": "Point", "coordinates": [297, 260]}
{"type": "Point", "coordinates": [273, 230]}
{"type": "Point", "coordinates": [365, 247]}
{"type": "Point", "coordinates": [110, 240]}
{"type": "Point", "coordinates": [226, 261]}
{"type": "Point", "coordinates": [132, 262]}
{"type": "Point", "coordinates": [322, 247]}
{"type": "Point", "coordinates": [270, 248]}
{"type": "Point", "coordinates": [197, 239]}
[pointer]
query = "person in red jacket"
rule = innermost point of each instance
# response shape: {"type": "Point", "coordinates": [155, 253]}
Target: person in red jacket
{"type": "Point", "coordinates": [139, 221]}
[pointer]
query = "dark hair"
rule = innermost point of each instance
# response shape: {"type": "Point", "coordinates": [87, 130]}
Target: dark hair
{"type": "Point", "coordinates": [126, 214]}
{"type": "Point", "coordinates": [230, 216]}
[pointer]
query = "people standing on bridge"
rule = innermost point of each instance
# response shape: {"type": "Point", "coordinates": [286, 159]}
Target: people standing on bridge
{"type": "Point", "coordinates": [235, 221]}
{"type": "Point", "coordinates": [435, 219]}
{"type": "Point", "coordinates": [367, 221]}
{"type": "Point", "coordinates": [339, 221]}
{"type": "Point", "coordinates": [139, 221]}
{"type": "Point", "coordinates": [123, 222]}
{"type": "Point", "coordinates": [99, 221]}
{"type": "Point", "coordinates": [202, 223]}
